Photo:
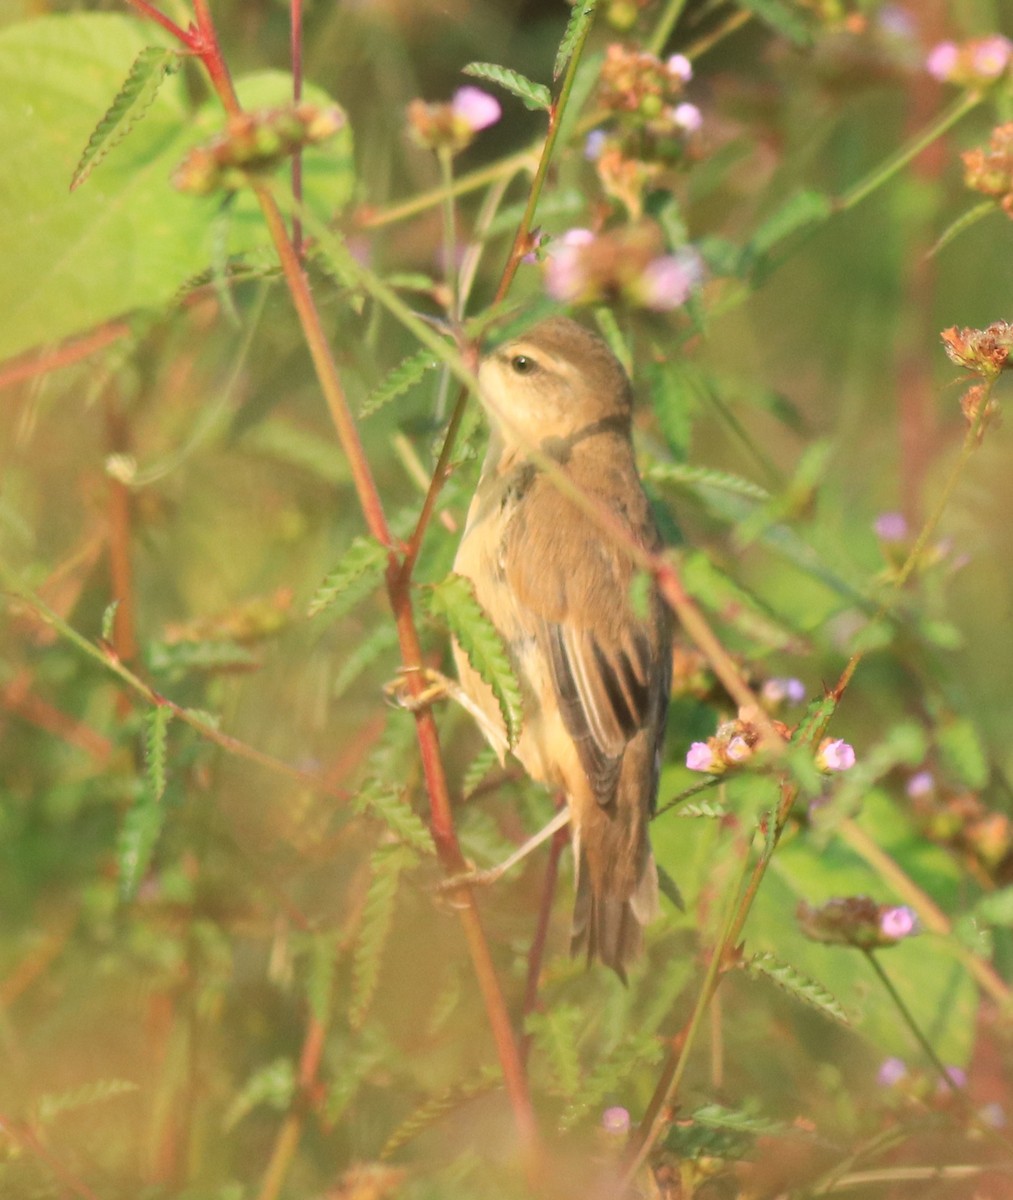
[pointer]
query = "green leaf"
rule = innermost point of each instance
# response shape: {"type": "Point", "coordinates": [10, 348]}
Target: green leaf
{"type": "Point", "coordinates": [109, 620]}
{"type": "Point", "coordinates": [133, 100]}
{"type": "Point", "coordinates": [273, 1085]}
{"type": "Point", "coordinates": [607, 324]}
{"type": "Point", "coordinates": [782, 18]}
{"type": "Point", "coordinates": [996, 908]}
{"type": "Point", "coordinates": [138, 836]}
{"type": "Point", "coordinates": [388, 804]}
{"type": "Point", "coordinates": [398, 381]}
{"type": "Point", "coordinates": [174, 660]}
{"type": "Point", "coordinates": [386, 866]}
{"type": "Point", "coordinates": [716, 1116]}
{"type": "Point", "coordinates": [128, 240]}
{"type": "Point", "coordinates": [702, 808]}
{"type": "Point", "coordinates": [963, 752]}
{"type": "Point", "coordinates": [803, 209]}
{"type": "Point", "coordinates": [581, 16]}
{"type": "Point", "coordinates": [700, 479]}
{"type": "Point", "coordinates": [53, 1104]}
{"type": "Point", "coordinates": [535, 96]}
{"type": "Point", "coordinates": [382, 640]}
{"type": "Point", "coordinates": [156, 724]}
{"type": "Point", "coordinates": [556, 1033]}
{"type": "Point", "coordinates": [480, 766]}
{"type": "Point", "coordinates": [807, 990]}
{"type": "Point", "coordinates": [454, 600]}
{"type": "Point", "coordinates": [360, 571]}
{"type": "Point", "coordinates": [438, 1106]}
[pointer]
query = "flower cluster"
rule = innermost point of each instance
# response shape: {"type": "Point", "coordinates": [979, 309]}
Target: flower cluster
{"type": "Point", "coordinates": [778, 691]}
{"type": "Point", "coordinates": [736, 742]}
{"type": "Point", "coordinates": [254, 143]}
{"type": "Point", "coordinates": [991, 171]}
{"type": "Point", "coordinates": [986, 352]}
{"type": "Point", "coordinates": [652, 123]}
{"type": "Point", "coordinates": [976, 63]}
{"type": "Point", "coordinates": [625, 264]}
{"type": "Point", "coordinates": [857, 921]}
{"type": "Point", "coordinates": [452, 127]}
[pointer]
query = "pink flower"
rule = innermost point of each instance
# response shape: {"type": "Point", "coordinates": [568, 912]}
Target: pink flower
{"type": "Point", "coordinates": [700, 757]}
{"type": "Point", "coordinates": [688, 117]}
{"type": "Point", "coordinates": [942, 60]}
{"type": "Point", "coordinates": [667, 281]}
{"type": "Point", "coordinates": [835, 754]}
{"type": "Point", "coordinates": [566, 272]}
{"type": "Point", "coordinates": [615, 1120]}
{"type": "Point", "coordinates": [899, 922]}
{"type": "Point", "coordinates": [892, 1071]}
{"type": "Point", "coordinates": [991, 56]}
{"type": "Point", "coordinates": [920, 784]}
{"type": "Point", "coordinates": [680, 66]}
{"type": "Point", "coordinates": [738, 750]}
{"type": "Point", "coordinates": [891, 527]}
{"type": "Point", "coordinates": [476, 108]}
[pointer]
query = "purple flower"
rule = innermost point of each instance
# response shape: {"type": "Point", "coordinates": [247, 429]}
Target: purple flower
{"type": "Point", "coordinates": [942, 60]}
{"type": "Point", "coordinates": [476, 108]}
{"type": "Point", "coordinates": [957, 1076]}
{"type": "Point", "coordinates": [899, 922]}
{"type": "Point", "coordinates": [777, 691]}
{"type": "Point", "coordinates": [615, 1120]}
{"type": "Point", "coordinates": [920, 784]}
{"type": "Point", "coordinates": [594, 144]}
{"type": "Point", "coordinates": [688, 117]}
{"type": "Point", "coordinates": [891, 527]}
{"type": "Point", "coordinates": [835, 754]}
{"type": "Point", "coordinates": [680, 66]}
{"type": "Point", "coordinates": [700, 757]}
{"type": "Point", "coordinates": [891, 1072]}
{"type": "Point", "coordinates": [991, 56]}
{"type": "Point", "coordinates": [667, 281]}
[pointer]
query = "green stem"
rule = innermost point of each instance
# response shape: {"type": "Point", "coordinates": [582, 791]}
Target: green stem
{"type": "Point", "coordinates": [666, 23]}
{"type": "Point", "coordinates": [446, 161]}
{"type": "Point", "coordinates": [911, 149]}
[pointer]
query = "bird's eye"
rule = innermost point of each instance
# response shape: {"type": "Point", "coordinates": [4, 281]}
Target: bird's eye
{"type": "Point", "coordinates": [522, 365]}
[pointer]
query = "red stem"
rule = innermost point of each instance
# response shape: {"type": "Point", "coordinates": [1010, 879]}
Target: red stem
{"type": "Point", "coordinates": [296, 36]}
{"type": "Point", "coordinates": [152, 13]}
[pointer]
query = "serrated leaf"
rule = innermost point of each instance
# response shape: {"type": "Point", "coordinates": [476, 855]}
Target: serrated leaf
{"type": "Point", "coordinates": [109, 620]}
{"type": "Point", "coordinates": [454, 600]}
{"type": "Point", "coordinates": [387, 804]}
{"type": "Point", "coordinates": [556, 1033]}
{"type": "Point", "coordinates": [386, 866]}
{"type": "Point", "coordinates": [132, 101]}
{"type": "Point", "coordinates": [716, 1116]}
{"type": "Point", "coordinates": [382, 640]}
{"type": "Point", "coordinates": [480, 766]}
{"type": "Point", "coordinates": [360, 571]}
{"type": "Point", "coordinates": [535, 96]}
{"type": "Point", "coordinates": [52, 1105]}
{"type": "Point", "coordinates": [581, 16]}
{"type": "Point", "coordinates": [156, 724]}
{"type": "Point", "coordinates": [181, 658]}
{"type": "Point", "coordinates": [963, 752]}
{"type": "Point", "coordinates": [701, 478]}
{"type": "Point", "coordinates": [273, 1085]}
{"type": "Point", "coordinates": [702, 808]}
{"type": "Point", "coordinates": [138, 835]}
{"type": "Point", "coordinates": [788, 979]}
{"type": "Point", "coordinates": [611, 1075]}
{"type": "Point", "coordinates": [436, 1107]}
{"type": "Point", "coordinates": [398, 381]}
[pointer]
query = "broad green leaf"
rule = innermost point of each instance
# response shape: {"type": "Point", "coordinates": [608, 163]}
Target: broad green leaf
{"type": "Point", "coordinates": [134, 98]}
{"type": "Point", "coordinates": [128, 240]}
{"type": "Point", "coordinates": [454, 600]}
{"type": "Point", "coordinates": [360, 571]}
{"type": "Point", "coordinates": [807, 990]}
{"type": "Point", "coordinates": [996, 908]}
{"type": "Point", "coordinates": [398, 381]}
{"type": "Point", "coordinates": [535, 96]}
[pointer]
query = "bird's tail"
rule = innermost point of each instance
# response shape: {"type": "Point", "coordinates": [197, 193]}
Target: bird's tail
{"type": "Point", "coordinates": [616, 884]}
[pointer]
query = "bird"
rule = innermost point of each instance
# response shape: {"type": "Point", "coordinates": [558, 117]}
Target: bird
{"type": "Point", "coordinates": [593, 660]}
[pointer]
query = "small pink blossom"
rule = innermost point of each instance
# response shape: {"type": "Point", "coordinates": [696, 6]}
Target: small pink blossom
{"type": "Point", "coordinates": [920, 784]}
{"type": "Point", "coordinates": [991, 56]}
{"type": "Point", "coordinates": [891, 1072]}
{"type": "Point", "coordinates": [476, 108]}
{"type": "Point", "coordinates": [899, 922]}
{"type": "Point", "coordinates": [688, 117]}
{"type": "Point", "coordinates": [777, 691]}
{"type": "Point", "coordinates": [680, 66]}
{"type": "Point", "coordinates": [891, 527]}
{"type": "Point", "coordinates": [835, 755]}
{"type": "Point", "coordinates": [738, 750]}
{"type": "Point", "coordinates": [666, 282]}
{"type": "Point", "coordinates": [700, 757]}
{"type": "Point", "coordinates": [942, 60]}
{"type": "Point", "coordinates": [615, 1120]}
{"type": "Point", "coordinates": [566, 273]}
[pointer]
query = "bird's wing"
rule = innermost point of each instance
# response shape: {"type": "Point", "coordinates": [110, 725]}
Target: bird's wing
{"type": "Point", "coordinates": [610, 664]}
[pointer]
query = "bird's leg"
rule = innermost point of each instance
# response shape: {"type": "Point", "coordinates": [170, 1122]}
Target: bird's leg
{"type": "Point", "coordinates": [439, 687]}
{"type": "Point", "coordinates": [491, 874]}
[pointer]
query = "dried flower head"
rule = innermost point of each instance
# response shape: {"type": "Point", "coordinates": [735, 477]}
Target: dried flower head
{"type": "Point", "coordinates": [991, 171]}
{"type": "Point", "coordinates": [857, 921]}
{"type": "Point", "coordinates": [986, 352]}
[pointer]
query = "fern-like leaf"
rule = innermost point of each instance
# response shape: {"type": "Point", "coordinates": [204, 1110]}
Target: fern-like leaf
{"type": "Point", "coordinates": [436, 1107]}
{"type": "Point", "coordinates": [359, 572]}
{"type": "Point", "coordinates": [699, 478]}
{"type": "Point", "coordinates": [557, 1033]}
{"type": "Point", "coordinates": [404, 376]}
{"type": "Point", "coordinates": [156, 727]}
{"type": "Point", "coordinates": [377, 919]}
{"type": "Point", "coordinates": [132, 101]}
{"type": "Point", "coordinates": [480, 766]}
{"type": "Point", "coordinates": [535, 96]}
{"type": "Point", "coordinates": [792, 981]}
{"type": "Point", "coordinates": [702, 808]}
{"type": "Point", "coordinates": [454, 600]}
{"type": "Point", "coordinates": [137, 839]}
{"type": "Point", "coordinates": [361, 657]}
{"type": "Point", "coordinates": [736, 1120]}
{"type": "Point", "coordinates": [581, 16]}
{"type": "Point", "coordinates": [387, 804]}
{"type": "Point", "coordinates": [273, 1085]}
{"type": "Point", "coordinates": [52, 1105]}
{"type": "Point", "coordinates": [109, 620]}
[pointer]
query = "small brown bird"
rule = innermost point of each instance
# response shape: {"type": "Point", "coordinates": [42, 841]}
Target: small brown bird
{"type": "Point", "coordinates": [593, 665]}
